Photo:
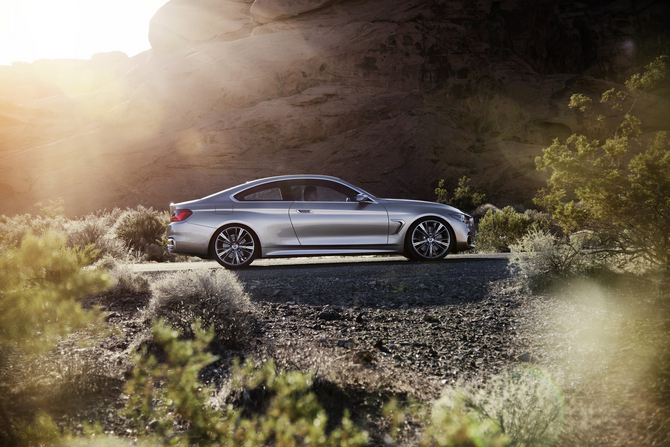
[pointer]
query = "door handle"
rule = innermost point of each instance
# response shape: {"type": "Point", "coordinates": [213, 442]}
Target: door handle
{"type": "Point", "coordinates": [304, 211]}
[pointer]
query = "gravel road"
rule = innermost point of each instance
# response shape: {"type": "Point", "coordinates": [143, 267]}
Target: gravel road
{"type": "Point", "coordinates": [369, 328]}
{"type": "Point", "coordinates": [414, 326]}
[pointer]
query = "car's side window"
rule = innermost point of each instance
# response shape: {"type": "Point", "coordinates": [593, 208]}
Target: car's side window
{"type": "Point", "coordinates": [270, 192]}
{"type": "Point", "coordinates": [321, 191]}
{"type": "Point", "coordinates": [326, 194]}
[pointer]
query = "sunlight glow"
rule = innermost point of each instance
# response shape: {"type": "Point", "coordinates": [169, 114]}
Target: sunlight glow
{"type": "Point", "coordinates": [73, 29]}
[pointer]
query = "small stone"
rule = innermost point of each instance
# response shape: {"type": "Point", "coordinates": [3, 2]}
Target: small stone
{"type": "Point", "coordinates": [291, 303]}
{"type": "Point", "coordinates": [112, 315]}
{"type": "Point", "coordinates": [345, 344]}
{"type": "Point", "coordinates": [276, 292]}
{"type": "Point", "coordinates": [329, 316]}
{"type": "Point", "coordinates": [525, 357]}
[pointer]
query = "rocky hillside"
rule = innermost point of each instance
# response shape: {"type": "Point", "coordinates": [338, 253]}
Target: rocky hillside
{"type": "Point", "coordinates": [388, 94]}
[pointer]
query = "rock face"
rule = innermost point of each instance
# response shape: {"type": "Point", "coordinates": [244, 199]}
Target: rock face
{"type": "Point", "coordinates": [390, 95]}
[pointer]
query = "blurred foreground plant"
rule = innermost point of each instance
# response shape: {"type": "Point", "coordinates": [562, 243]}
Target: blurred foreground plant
{"type": "Point", "coordinates": [520, 408]}
{"type": "Point", "coordinates": [168, 395]}
{"type": "Point", "coordinates": [40, 283]}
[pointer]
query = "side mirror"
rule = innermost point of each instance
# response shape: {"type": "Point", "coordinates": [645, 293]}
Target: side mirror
{"type": "Point", "coordinates": [363, 198]}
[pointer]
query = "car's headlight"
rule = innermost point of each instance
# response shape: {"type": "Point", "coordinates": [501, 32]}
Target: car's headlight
{"type": "Point", "coordinates": [465, 218]}
{"type": "Point", "coordinates": [462, 217]}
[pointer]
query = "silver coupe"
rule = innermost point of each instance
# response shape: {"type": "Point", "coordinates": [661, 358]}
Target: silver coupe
{"type": "Point", "coordinates": [313, 215]}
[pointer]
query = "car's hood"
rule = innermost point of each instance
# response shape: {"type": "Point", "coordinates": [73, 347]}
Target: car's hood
{"type": "Point", "coordinates": [421, 203]}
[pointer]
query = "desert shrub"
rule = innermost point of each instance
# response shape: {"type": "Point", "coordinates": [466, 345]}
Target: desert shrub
{"type": "Point", "coordinates": [611, 182]}
{"type": "Point", "coordinates": [123, 279]}
{"type": "Point", "coordinates": [14, 229]}
{"type": "Point", "coordinates": [545, 259]}
{"type": "Point", "coordinates": [524, 405]}
{"type": "Point", "coordinates": [214, 297]}
{"type": "Point", "coordinates": [41, 431]}
{"type": "Point", "coordinates": [498, 230]}
{"type": "Point", "coordinates": [453, 424]}
{"type": "Point", "coordinates": [465, 197]}
{"type": "Point", "coordinates": [520, 408]}
{"type": "Point", "coordinates": [142, 229]}
{"type": "Point", "coordinates": [95, 229]}
{"type": "Point", "coordinates": [479, 212]}
{"type": "Point", "coordinates": [90, 229]}
{"type": "Point", "coordinates": [40, 284]}
{"type": "Point", "coordinates": [106, 262]}
{"type": "Point", "coordinates": [442, 425]}
{"type": "Point", "coordinates": [292, 417]}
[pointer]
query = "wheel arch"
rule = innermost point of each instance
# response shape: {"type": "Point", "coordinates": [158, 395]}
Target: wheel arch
{"type": "Point", "coordinates": [212, 238]}
{"type": "Point", "coordinates": [408, 234]}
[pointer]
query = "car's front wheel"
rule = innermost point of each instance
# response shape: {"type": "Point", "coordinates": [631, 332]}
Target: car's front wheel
{"type": "Point", "coordinates": [429, 239]}
{"type": "Point", "coordinates": [235, 247]}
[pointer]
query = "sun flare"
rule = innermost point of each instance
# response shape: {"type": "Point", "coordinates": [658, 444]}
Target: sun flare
{"type": "Point", "coordinates": [73, 29]}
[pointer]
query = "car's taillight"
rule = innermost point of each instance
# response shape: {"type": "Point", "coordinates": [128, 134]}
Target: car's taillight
{"type": "Point", "coordinates": [180, 215]}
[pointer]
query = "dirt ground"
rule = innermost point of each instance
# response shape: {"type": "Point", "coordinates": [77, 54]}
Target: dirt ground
{"type": "Point", "coordinates": [401, 330]}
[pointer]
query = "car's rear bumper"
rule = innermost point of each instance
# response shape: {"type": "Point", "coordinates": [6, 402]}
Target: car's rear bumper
{"type": "Point", "coordinates": [188, 239]}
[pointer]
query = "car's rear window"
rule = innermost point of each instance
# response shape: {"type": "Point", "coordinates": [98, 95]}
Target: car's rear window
{"type": "Point", "coordinates": [266, 192]}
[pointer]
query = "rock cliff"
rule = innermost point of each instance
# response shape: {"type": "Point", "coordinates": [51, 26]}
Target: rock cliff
{"type": "Point", "coordinates": [391, 95]}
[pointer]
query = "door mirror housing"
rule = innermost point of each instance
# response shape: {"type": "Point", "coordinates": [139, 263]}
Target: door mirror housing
{"type": "Point", "coordinates": [363, 198]}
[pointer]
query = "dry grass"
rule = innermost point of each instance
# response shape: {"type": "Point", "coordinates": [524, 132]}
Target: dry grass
{"type": "Point", "coordinates": [214, 297]}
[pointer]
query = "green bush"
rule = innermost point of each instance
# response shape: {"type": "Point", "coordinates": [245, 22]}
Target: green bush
{"type": "Point", "coordinates": [142, 229]}
{"type": "Point", "coordinates": [612, 182]}
{"type": "Point", "coordinates": [498, 230]}
{"type": "Point", "coordinates": [213, 296]}
{"type": "Point", "coordinates": [163, 396]}
{"type": "Point", "coordinates": [465, 198]}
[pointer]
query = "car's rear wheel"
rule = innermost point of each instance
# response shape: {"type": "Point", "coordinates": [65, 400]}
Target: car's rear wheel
{"type": "Point", "coordinates": [429, 239]}
{"type": "Point", "coordinates": [235, 246]}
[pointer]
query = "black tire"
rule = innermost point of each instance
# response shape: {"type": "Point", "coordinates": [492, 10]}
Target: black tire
{"type": "Point", "coordinates": [429, 239]}
{"type": "Point", "coordinates": [235, 246]}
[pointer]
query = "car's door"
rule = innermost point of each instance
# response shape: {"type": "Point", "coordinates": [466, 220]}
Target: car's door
{"type": "Point", "coordinates": [325, 213]}
{"type": "Point", "coordinates": [265, 209]}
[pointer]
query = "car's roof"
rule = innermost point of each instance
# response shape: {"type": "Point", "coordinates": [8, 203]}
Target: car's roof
{"type": "Point", "coordinates": [296, 177]}
{"type": "Point", "coordinates": [235, 189]}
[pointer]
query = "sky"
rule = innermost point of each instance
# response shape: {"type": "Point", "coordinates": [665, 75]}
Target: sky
{"type": "Point", "coordinates": [73, 29]}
